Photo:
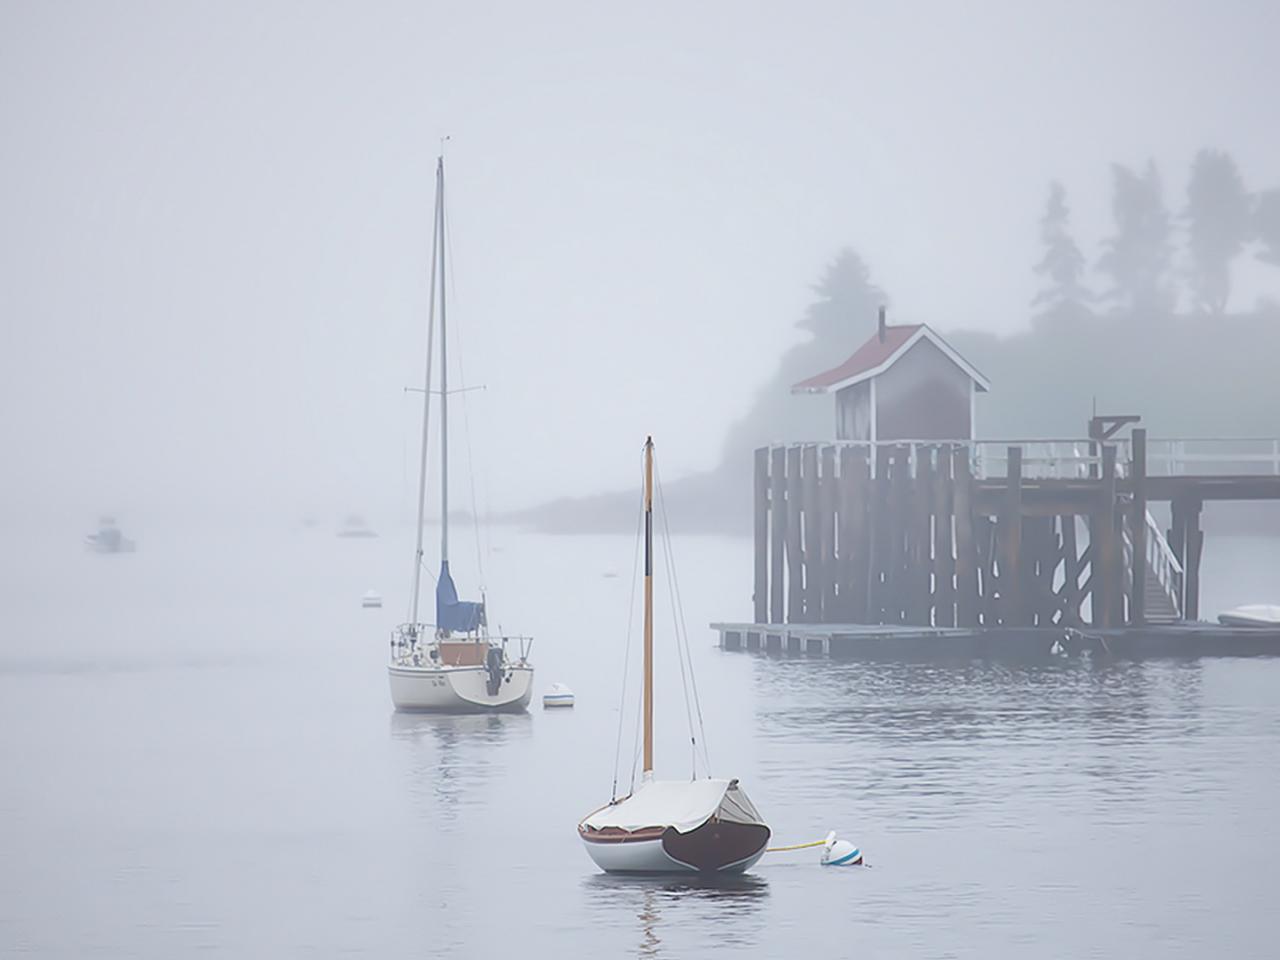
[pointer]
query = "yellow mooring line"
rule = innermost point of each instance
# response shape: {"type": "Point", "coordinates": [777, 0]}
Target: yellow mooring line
{"type": "Point", "coordinates": [795, 846]}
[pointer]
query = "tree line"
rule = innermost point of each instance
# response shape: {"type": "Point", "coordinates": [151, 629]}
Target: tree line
{"type": "Point", "coordinates": [1155, 259]}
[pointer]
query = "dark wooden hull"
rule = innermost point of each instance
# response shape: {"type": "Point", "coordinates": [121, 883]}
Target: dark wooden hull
{"type": "Point", "coordinates": [717, 846]}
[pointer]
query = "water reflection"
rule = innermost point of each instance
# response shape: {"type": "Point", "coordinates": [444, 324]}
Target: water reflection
{"type": "Point", "coordinates": [674, 913]}
{"type": "Point", "coordinates": [927, 729]}
{"type": "Point", "coordinates": [452, 755]}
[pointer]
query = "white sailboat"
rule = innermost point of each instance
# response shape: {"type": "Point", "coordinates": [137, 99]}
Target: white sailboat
{"type": "Point", "coordinates": [453, 665]}
{"type": "Point", "coordinates": [672, 826]}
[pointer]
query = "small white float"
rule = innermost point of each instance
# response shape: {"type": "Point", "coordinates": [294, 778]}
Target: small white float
{"type": "Point", "coordinates": [371, 598]}
{"type": "Point", "coordinates": [557, 695]}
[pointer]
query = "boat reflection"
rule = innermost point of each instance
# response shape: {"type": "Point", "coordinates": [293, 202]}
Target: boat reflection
{"type": "Point", "coordinates": [451, 755]}
{"type": "Point", "coordinates": [726, 907]}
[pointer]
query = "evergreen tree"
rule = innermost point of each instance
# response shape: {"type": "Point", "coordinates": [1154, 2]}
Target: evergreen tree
{"type": "Point", "coordinates": [1064, 297]}
{"type": "Point", "coordinates": [839, 320]}
{"type": "Point", "coordinates": [1217, 216]}
{"type": "Point", "coordinates": [1137, 257]}
{"type": "Point", "coordinates": [1266, 226]}
{"type": "Point", "coordinates": [845, 312]}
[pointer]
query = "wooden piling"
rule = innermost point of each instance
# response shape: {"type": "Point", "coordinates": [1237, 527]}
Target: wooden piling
{"type": "Point", "coordinates": [1138, 528]}
{"type": "Point", "coordinates": [778, 541]}
{"type": "Point", "coordinates": [944, 563]}
{"type": "Point", "coordinates": [828, 495]}
{"type": "Point", "coordinates": [812, 537]}
{"type": "Point", "coordinates": [1102, 534]}
{"type": "Point", "coordinates": [1195, 547]}
{"type": "Point", "coordinates": [795, 562]}
{"type": "Point", "coordinates": [1010, 555]}
{"type": "Point", "coordinates": [967, 595]}
{"type": "Point", "coordinates": [760, 591]}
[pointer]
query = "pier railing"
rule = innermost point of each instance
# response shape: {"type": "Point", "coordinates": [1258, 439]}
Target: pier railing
{"type": "Point", "coordinates": [1074, 458]}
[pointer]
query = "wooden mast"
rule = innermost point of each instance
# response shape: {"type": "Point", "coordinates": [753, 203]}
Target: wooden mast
{"type": "Point", "coordinates": [648, 608]}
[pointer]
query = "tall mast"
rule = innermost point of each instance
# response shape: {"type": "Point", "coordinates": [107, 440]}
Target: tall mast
{"type": "Point", "coordinates": [444, 390]}
{"type": "Point", "coordinates": [426, 397]}
{"type": "Point", "coordinates": [648, 607]}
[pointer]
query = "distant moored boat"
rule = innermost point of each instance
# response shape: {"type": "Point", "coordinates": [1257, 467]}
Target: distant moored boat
{"type": "Point", "coordinates": [108, 539]}
{"type": "Point", "coordinates": [354, 527]}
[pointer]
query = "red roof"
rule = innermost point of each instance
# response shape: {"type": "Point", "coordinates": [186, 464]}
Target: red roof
{"type": "Point", "coordinates": [872, 354]}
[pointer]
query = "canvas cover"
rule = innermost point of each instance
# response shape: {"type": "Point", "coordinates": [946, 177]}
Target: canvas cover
{"type": "Point", "coordinates": [682, 804]}
{"type": "Point", "coordinates": [457, 616]}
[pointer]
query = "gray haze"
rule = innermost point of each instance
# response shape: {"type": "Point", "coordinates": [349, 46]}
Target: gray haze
{"type": "Point", "coordinates": [214, 218]}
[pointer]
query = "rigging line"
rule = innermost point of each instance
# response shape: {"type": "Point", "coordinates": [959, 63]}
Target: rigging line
{"type": "Point", "coordinates": [681, 658]}
{"type": "Point", "coordinates": [681, 655]}
{"type": "Point", "coordinates": [458, 351]}
{"type": "Point", "coordinates": [675, 590]}
{"type": "Point", "coordinates": [626, 656]}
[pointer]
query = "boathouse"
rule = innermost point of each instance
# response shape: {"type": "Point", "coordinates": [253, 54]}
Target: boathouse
{"type": "Point", "coordinates": [905, 383]}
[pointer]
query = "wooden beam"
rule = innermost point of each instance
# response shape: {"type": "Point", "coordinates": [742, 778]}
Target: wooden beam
{"type": "Point", "coordinates": [968, 598]}
{"type": "Point", "coordinates": [879, 539]}
{"type": "Point", "coordinates": [944, 564]}
{"type": "Point", "coordinates": [812, 536]}
{"type": "Point", "coordinates": [1138, 528]}
{"type": "Point", "coordinates": [1102, 534]}
{"type": "Point", "coordinates": [1010, 529]}
{"type": "Point", "coordinates": [795, 562]}
{"type": "Point", "coordinates": [1195, 547]}
{"type": "Point", "coordinates": [828, 496]}
{"type": "Point", "coordinates": [760, 591]}
{"type": "Point", "coordinates": [919, 574]}
{"type": "Point", "coordinates": [855, 533]}
{"type": "Point", "coordinates": [778, 541]}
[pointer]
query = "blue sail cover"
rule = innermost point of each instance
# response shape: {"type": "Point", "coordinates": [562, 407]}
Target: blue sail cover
{"type": "Point", "coordinates": [461, 616]}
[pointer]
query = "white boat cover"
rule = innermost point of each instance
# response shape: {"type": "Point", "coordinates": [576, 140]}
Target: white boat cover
{"type": "Point", "coordinates": [1262, 614]}
{"type": "Point", "coordinates": [682, 804]}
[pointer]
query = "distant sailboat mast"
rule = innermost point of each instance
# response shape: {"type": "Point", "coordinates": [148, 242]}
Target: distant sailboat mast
{"type": "Point", "coordinates": [436, 251]}
{"type": "Point", "coordinates": [647, 772]}
{"type": "Point", "coordinates": [444, 389]}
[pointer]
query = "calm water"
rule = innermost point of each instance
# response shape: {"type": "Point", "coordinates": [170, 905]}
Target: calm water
{"type": "Point", "coordinates": [199, 754]}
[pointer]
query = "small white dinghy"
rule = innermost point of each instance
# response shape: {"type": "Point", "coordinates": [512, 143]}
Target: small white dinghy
{"type": "Point", "coordinates": [371, 599]}
{"type": "Point", "coordinates": [557, 695]}
{"type": "Point", "coordinates": [1251, 615]}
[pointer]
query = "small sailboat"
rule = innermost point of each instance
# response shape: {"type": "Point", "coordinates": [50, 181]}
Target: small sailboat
{"type": "Point", "coordinates": [671, 826]}
{"type": "Point", "coordinates": [453, 665]}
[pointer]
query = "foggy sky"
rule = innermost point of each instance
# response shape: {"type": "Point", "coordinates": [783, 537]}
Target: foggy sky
{"type": "Point", "coordinates": [215, 218]}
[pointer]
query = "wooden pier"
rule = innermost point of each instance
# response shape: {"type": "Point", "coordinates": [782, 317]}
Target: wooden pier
{"type": "Point", "coordinates": [942, 536]}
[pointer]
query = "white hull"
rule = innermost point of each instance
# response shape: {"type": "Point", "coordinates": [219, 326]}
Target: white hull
{"type": "Point", "coordinates": [644, 856]}
{"type": "Point", "coordinates": [458, 689]}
